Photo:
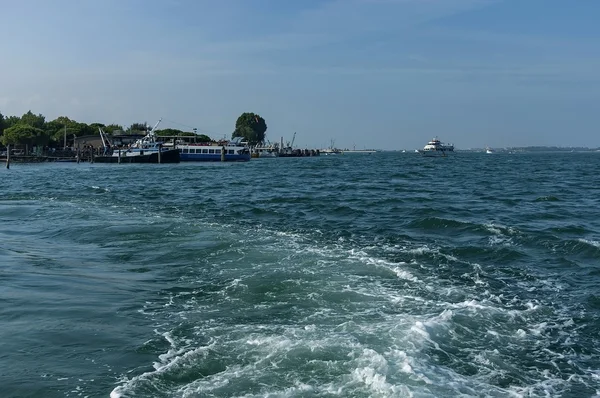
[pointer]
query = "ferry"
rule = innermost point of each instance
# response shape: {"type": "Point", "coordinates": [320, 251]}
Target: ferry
{"type": "Point", "coordinates": [223, 151]}
{"type": "Point", "coordinates": [436, 148]}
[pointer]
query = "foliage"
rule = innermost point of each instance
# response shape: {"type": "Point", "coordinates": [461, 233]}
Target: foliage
{"type": "Point", "coordinates": [33, 129]}
{"type": "Point", "coordinates": [11, 121]}
{"type": "Point", "coordinates": [57, 128]}
{"type": "Point", "coordinates": [114, 129]}
{"type": "Point", "coordinates": [180, 133]}
{"type": "Point", "coordinates": [137, 128]}
{"type": "Point", "coordinates": [250, 126]}
{"type": "Point", "coordinates": [95, 126]}
{"type": "Point", "coordinates": [32, 120]}
{"type": "Point", "coordinates": [168, 132]}
{"type": "Point", "coordinates": [24, 134]}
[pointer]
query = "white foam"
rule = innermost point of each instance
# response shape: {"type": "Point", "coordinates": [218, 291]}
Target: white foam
{"type": "Point", "coordinates": [594, 243]}
{"type": "Point", "coordinates": [160, 368]}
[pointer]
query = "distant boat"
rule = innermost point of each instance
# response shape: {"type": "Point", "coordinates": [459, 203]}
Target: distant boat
{"type": "Point", "coordinates": [332, 150]}
{"type": "Point", "coordinates": [488, 150]}
{"type": "Point", "coordinates": [436, 148]}
{"type": "Point", "coordinates": [265, 151]}
{"type": "Point", "coordinates": [367, 151]}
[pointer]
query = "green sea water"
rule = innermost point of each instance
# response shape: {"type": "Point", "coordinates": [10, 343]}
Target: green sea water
{"type": "Point", "coordinates": [383, 275]}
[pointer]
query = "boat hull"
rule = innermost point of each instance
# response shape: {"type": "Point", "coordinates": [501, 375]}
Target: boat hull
{"type": "Point", "coordinates": [438, 153]}
{"type": "Point", "coordinates": [203, 157]}
{"type": "Point", "coordinates": [213, 153]}
{"type": "Point", "coordinates": [169, 156]}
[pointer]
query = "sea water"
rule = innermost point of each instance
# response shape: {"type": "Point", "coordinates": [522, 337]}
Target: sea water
{"type": "Point", "coordinates": [382, 275]}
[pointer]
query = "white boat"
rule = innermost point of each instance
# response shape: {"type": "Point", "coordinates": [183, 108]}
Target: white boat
{"type": "Point", "coordinates": [332, 150]}
{"type": "Point", "coordinates": [145, 150]}
{"type": "Point", "coordinates": [436, 148]}
{"type": "Point", "coordinates": [228, 151]}
{"type": "Point", "coordinates": [488, 150]}
{"type": "Point", "coordinates": [265, 151]}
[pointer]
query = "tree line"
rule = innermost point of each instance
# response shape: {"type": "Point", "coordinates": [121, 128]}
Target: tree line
{"type": "Point", "coordinates": [34, 130]}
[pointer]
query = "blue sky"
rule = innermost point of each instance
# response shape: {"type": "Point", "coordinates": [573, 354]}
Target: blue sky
{"type": "Point", "coordinates": [388, 74]}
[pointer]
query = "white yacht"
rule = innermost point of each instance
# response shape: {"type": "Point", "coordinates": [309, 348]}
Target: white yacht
{"type": "Point", "coordinates": [436, 148]}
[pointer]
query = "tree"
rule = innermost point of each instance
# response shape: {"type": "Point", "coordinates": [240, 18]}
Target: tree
{"type": "Point", "coordinates": [24, 134]}
{"type": "Point", "coordinates": [250, 126]}
{"type": "Point", "coordinates": [114, 129]}
{"type": "Point", "coordinates": [137, 128]}
{"type": "Point", "coordinates": [11, 121]}
{"type": "Point", "coordinates": [179, 133]}
{"type": "Point", "coordinates": [169, 132]}
{"type": "Point", "coordinates": [57, 128]}
{"type": "Point", "coordinates": [1, 124]}
{"type": "Point", "coordinates": [95, 126]}
{"type": "Point", "coordinates": [36, 121]}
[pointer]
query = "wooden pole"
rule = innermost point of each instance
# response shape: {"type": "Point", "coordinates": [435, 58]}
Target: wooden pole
{"type": "Point", "coordinates": [8, 156]}
{"type": "Point", "coordinates": [159, 153]}
{"type": "Point", "coordinates": [222, 154]}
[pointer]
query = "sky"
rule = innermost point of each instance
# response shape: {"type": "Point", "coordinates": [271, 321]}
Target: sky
{"type": "Point", "coordinates": [385, 74]}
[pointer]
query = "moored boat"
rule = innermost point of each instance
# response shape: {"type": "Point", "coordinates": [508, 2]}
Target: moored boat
{"type": "Point", "coordinates": [265, 151]}
{"type": "Point", "coordinates": [228, 151]}
{"type": "Point", "coordinates": [145, 150]}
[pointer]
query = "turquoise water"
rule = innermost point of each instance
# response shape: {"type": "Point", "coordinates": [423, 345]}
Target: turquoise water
{"type": "Point", "coordinates": [384, 275]}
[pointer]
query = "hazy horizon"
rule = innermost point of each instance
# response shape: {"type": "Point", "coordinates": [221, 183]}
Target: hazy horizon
{"type": "Point", "coordinates": [386, 74]}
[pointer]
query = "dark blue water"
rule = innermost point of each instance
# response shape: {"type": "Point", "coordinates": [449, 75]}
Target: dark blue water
{"type": "Point", "coordinates": [384, 275]}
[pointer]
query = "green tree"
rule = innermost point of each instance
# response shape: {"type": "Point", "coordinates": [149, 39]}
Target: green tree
{"type": "Point", "coordinates": [180, 133]}
{"type": "Point", "coordinates": [165, 132]}
{"type": "Point", "coordinates": [137, 128]}
{"type": "Point", "coordinates": [56, 128]}
{"type": "Point", "coordinates": [250, 126]}
{"type": "Point", "coordinates": [36, 121]}
{"type": "Point", "coordinates": [11, 121]}
{"type": "Point", "coordinates": [114, 129]}
{"type": "Point", "coordinates": [95, 126]}
{"type": "Point", "coordinates": [24, 134]}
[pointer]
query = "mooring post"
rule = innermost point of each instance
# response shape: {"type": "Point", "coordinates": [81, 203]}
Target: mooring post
{"type": "Point", "coordinates": [222, 154]}
{"type": "Point", "coordinates": [8, 156]}
{"type": "Point", "coordinates": [159, 152]}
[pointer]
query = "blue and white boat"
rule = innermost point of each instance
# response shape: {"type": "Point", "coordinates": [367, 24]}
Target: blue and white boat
{"type": "Point", "coordinates": [224, 151]}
